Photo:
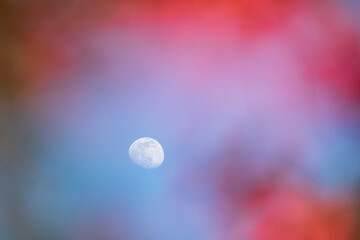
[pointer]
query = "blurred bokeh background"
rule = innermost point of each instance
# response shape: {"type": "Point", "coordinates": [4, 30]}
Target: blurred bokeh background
{"type": "Point", "coordinates": [256, 103]}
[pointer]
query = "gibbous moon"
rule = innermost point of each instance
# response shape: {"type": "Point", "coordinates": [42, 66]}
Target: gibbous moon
{"type": "Point", "coordinates": [147, 153]}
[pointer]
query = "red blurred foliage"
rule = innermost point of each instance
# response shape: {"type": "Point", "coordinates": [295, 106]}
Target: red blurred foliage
{"type": "Point", "coordinates": [270, 210]}
{"type": "Point", "coordinates": [298, 216]}
{"type": "Point", "coordinates": [328, 43]}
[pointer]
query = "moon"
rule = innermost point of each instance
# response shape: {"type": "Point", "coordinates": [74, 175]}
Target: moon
{"type": "Point", "coordinates": [147, 153]}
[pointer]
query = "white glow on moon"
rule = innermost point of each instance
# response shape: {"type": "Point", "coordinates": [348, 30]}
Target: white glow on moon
{"type": "Point", "coordinates": [147, 153]}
